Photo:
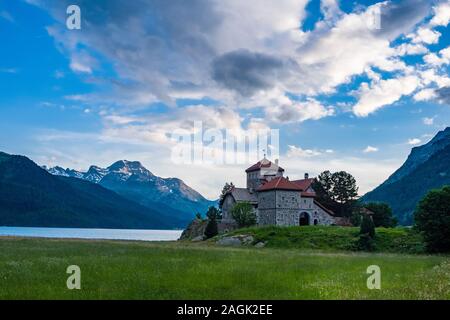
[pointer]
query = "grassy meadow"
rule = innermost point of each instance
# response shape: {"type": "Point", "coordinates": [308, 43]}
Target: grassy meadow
{"type": "Point", "coordinates": [332, 238]}
{"type": "Point", "coordinates": [36, 269]}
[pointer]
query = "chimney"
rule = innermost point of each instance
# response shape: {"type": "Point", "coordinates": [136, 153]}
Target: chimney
{"type": "Point", "coordinates": [306, 175]}
{"type": "Point", "coordinates": [276, 161]}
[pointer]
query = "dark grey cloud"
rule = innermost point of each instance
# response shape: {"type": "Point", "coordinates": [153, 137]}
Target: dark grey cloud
{"type": "Point", "coordinates": [443, 95]}
{"type": "Point", "coordinates": [400, 16]}
{"type": "Point", "coordinates": [247, 72]}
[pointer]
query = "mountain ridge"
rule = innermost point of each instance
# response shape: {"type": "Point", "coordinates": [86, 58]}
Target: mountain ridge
{"type": "Point", "coordinates": [427, 167]}
{"type": "Point", "coordinates": [135, 182]}
{"type": "Point", "coordinates": [420, 154]}
{"type": "Point", "coordinates": [30, 196]}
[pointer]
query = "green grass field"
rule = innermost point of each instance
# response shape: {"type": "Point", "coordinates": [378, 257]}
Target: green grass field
{"type": "Point", "coordinates": [331, 238]}
{"type": "Point", "coordinates": [36, 269]}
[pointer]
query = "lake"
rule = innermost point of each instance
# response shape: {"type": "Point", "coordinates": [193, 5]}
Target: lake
{"type": "Point", "coordinates": [78, 233]}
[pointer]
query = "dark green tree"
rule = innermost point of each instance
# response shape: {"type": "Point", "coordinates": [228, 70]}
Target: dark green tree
{"type": "Point", "coordinates": [326, 182]}
{"type": "Point", "coordinates": [323, 186]}
{"type": "Point", "coordinates": [226, 188]}
{"type": "Point", "coordinates": [337, 191]}
{"type": "Point", "coordinates": [366, 234]}
{"type": "Point", "coordinates": [383, 216]}
{"type": "Point", "coordinates": [198, 216]}
{"type": "Point", "coordinates": [211, 229]}
{"type": "Point", "coordinates": [432, 219]}
{"type": "Point", "coordinates": [344, 187]}
{"type": "Point", "coordinates": [243, 214]}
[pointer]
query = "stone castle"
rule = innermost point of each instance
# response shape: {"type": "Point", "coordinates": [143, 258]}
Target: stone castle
{"type": "Point", "coordinates": [276, 199]}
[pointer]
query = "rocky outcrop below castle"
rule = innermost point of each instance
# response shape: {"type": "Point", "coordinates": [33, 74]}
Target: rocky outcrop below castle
{"type": "Point", "coordinates": [195, 231]}
{"type": "Point", "coordinates": [240, 240]}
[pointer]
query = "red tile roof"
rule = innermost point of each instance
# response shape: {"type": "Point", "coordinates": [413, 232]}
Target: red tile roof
{"type": "Point", "coordinates": [263, 164]}
{"type": "Point", "coordinates": [279, 183]}
{"type": "Point", "coordinates": [309, 194]}
{"type": "Point", "coordinates": [304, 184]}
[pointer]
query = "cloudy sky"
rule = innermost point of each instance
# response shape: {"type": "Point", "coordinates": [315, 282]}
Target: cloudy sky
{"type": "Point", "coordinates": [347, 91]}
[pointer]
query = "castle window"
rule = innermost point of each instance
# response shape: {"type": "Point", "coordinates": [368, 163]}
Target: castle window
{"type": "Point", "coordinates": [316, 222]}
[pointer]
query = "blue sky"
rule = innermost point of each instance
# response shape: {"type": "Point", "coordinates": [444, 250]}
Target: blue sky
{"type": "Point", "coordinates": [345, 94]}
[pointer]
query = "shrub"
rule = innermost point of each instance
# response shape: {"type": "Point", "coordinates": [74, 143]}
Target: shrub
{"type": "Point", "coordinates": [356, 219]}
{"type": "Point", "coordinates": [367, 226]}
{"type": "Point", "coordinates": [432, 219]}
{"type": "Point", "coordinates": [366, 234]}
{"type": "Point", "coordinates": [244, 214]}
{"type": "Point", "coordinates": [383, 216]}
{"type": "Point", "coordinates": [211, 229]}
{"type": "Point", "coordinates": [365, 243]}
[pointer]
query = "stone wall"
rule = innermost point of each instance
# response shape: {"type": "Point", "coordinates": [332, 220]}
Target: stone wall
{"type": "Point", "coordinates": [283, 208]}
{"type": "Point", "coordinates": [318, 216]}
{"type": "Point", "coordinates": [266, 214]}
{"type": "Point", "coordinates": [323, 217]}
{"type": "Point", "coordinates": [227, 205]}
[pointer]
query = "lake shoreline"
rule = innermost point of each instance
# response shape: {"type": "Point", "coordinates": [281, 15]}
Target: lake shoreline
{"type": "Point", "coordinates": [91, 233]}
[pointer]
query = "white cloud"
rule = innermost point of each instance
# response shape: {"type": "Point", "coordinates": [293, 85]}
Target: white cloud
{"type": "Point", "coordinates": [425, 35]}
{"type": "Point", "coordinates": [425, 95]}
{"type": "Point", "coordinates": [411, 49]}
{"type": "Point", "coordinates": [285, 110]}
{"type": "Point", "coordinates": [59, 74]}
{"type": "Point", "coordinates": [441, 14]}
{"type": "Point", "coordinates": [333, 57]}
{"type": "Point", "coordinates": [428, 121]}
{"type": "Point", "coordinates": [430, 76]}
{"type": "Point", "coordinates": [298, 152]}
{"type": "Point", "coordinates": [385, 92]}
{"type": "Point", "coordinates": [9, 70]}
{"type": "Point", "coordinates": [7, 16]}
{"type": "Point", "coordinates": [414, 141]}
{"type": "Point", "coordinates": [369, 172]}
{"type": "Point", "coordinates": [438, 59]}
{"type": "Point", "coordinates": [370, 149]}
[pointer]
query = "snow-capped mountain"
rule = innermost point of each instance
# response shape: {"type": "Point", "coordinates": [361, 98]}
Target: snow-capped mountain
{"type": "Point", "coordinates": [31, 197]}
{"type": "Point", "coordinates": [133, 181]}
{"type": "Point", "coordinates": [59, 171]}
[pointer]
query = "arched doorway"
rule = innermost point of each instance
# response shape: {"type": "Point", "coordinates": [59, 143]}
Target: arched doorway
{"type": "Point", "coordinates": [304, 219]}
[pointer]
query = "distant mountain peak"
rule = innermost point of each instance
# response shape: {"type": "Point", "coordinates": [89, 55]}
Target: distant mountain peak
{"type": "Point", "coordinates": [95, 174]}
{"type": "Point", "coordinates": [132, 180]}
{"type": "Point", "coordinates": [129, 168]}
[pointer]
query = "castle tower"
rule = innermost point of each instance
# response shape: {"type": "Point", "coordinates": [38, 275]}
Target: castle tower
{"type": "Point", "coordinates": [261, 172]}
